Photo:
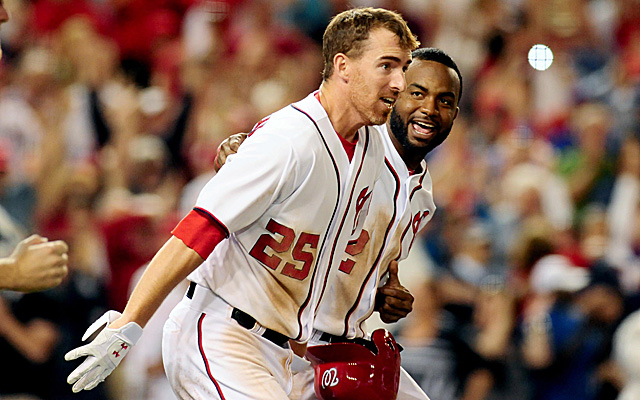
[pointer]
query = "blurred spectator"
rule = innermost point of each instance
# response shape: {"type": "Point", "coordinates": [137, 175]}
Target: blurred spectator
{"type": "Point", "coordinates": [568, 327]}
{"type": "Point", "coordinates": [474, 314]}
{"type": "Point", "coordinates": [622, 215]}
{"type": "Point", "coordinates": [10, 231]}
{"type": "Point", "coordinates": [137, 212]}
{"type": "Point", "coordinates": [589, 168]}
{"type": "Point", "coordinates": [28, 337]}
{"type": "Point", "coordinates": [21, 129]}
{"type": "Point", "coordinates": [470, 264]}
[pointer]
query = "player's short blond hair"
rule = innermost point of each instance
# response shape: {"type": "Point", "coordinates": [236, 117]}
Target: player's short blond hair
{"type": "Point", "coordinates": [348, 30]}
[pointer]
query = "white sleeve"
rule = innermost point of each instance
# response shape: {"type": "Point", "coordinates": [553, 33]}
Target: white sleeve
{"type": "Point", "coordinates": [262, 172]}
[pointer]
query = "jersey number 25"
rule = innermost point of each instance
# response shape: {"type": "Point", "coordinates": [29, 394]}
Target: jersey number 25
{"type": "Point", "coordinates": [281, 249]}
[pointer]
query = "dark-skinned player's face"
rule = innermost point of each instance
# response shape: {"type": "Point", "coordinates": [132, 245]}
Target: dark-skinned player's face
{"type": "Point", "coordinates": [424, 113]}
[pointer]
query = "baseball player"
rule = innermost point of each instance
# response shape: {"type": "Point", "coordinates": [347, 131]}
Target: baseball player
{"type": "Point", "coordinates": [272, 227]}
{"type": "Point", "coordinates": [401, 205]}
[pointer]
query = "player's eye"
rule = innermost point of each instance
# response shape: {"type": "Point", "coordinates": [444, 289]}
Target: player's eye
{"type": "Point", "coordinates": [447, 102]}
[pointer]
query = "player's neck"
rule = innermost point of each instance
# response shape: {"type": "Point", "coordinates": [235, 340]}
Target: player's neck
{"type": "Point", "coordinates": [345, 119]}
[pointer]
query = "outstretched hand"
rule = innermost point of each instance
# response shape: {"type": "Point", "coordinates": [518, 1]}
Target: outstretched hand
{"type": "Point", "coordinates": [393, 301]}
{"type": "Point", "coordinates": [104, 353]}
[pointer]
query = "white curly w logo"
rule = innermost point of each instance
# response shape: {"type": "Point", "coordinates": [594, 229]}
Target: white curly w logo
{"type": "Point", "coordinates": [330, 378]}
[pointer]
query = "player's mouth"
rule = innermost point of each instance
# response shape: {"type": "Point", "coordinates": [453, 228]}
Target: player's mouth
{"type": "Point", "coordinates": [423, 129]}
{"type": "Point", "coordinates": [388, 101]}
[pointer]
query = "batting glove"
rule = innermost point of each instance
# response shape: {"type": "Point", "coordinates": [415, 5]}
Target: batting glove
{"type": "Point", "coordinates": [104, 353]}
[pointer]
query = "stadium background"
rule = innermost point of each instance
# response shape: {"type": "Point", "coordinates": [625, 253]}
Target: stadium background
{"type": "Point", "coordinates": [111, 112]}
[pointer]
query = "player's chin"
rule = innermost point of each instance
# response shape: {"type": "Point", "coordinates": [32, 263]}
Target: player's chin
{"type": "Point", "coordinates": [379, 117]}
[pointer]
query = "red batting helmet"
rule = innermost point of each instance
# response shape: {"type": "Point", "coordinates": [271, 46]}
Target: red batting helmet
{"type": "Point", "coordinates": [357, 372]}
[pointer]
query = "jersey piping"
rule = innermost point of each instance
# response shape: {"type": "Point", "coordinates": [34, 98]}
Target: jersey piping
{"type": "Point", "coordinates": [382, 248]}
{"type": "Point", "coordinates": [204, 357]}
{"type": "Point", "coordinates": [344, 217]}
{"type": "Point", "coordinates": [333, 215]}
{"type": "Point", "coordinates": [419, 186]}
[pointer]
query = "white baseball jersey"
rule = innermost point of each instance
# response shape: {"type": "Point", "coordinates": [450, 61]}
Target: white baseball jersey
{"type": "Point", "coordinates": [291, 201]}
{"type": "Point", "coordinates": [401, 205]}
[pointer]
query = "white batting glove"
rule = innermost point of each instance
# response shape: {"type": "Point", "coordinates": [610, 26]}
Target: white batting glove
{"type": "Point", "coordinates": [104, 353]}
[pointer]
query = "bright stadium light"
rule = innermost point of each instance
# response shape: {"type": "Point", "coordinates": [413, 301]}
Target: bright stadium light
{"type": "Point", "coordinates": [540, 57]}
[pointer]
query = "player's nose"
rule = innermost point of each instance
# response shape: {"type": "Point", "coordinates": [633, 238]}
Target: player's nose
{"type": "Point", "coordinates": [4, 15]}
{"type": "Point", "coordinates": [398, 82]}
{"type": "Point", "coordinates": [428, 106]}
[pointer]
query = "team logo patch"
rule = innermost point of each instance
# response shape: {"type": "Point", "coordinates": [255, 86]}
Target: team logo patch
{"type": "Point", "coordinates": [362, 208]}
{"type": "Point", "coordinates": [417, 220]}
{"type": "Point", "coordinates": [330, 378]}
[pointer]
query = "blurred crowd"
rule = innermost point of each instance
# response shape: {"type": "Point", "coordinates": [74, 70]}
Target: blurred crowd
{"type": "Point", "coordinates": [528, 277]}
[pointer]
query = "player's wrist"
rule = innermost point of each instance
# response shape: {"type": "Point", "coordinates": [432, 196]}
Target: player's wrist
{"type": "Point", "coordinates": [129, 332]}
{"type": "Point", "coordinates": [118, 323]}
{"type": "Point", "coordinates": [8, 273]}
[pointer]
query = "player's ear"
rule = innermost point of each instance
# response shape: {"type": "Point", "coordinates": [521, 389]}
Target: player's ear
{"type": "Point", "coordinates": [341, 66]}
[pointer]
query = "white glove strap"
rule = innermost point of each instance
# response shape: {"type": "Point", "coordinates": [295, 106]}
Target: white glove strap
{"type": "Point", "coordinates": [122, 340]}
{"type": "Point", "coordinates": [101, 322]}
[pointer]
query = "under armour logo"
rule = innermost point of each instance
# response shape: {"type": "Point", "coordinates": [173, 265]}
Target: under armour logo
{"type": "Point", "coordinates": [123, 346]}
{"type": "Point", "coordinates": [330, 378]}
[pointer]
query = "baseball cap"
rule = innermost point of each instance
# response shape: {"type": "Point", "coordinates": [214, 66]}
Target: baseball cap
{"type": "Point", "coordinates": [556, 273]}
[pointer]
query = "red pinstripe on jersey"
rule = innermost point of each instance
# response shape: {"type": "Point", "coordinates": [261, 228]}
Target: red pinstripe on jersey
{"type": "Point", "coordinates": [259, 125]}
{"type": "Point", "coordinates": [384, 241]}
{"type": "Point", "coordinates": [304, 305]}
{"type": "Point", "coordinates": [419, 186]}
{"type": "Point", "coordinates": [344, 217]}
{"type": "Point", "coordinates": [204, 357]}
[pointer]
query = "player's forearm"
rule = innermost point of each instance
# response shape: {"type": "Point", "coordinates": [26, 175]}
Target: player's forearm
{"type": "Point", "coordinates": [7, 273]}
{"type": "Point", "coordinates": [170, 266]}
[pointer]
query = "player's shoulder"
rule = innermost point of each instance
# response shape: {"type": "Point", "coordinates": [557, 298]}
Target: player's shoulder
{"type": "Point", "coordinates": [298, 126]}
{"type": "Point", "coordinates": [291, 123]}
{"type": "Point", "coordinates": [295, 122]}
{"type": "Point", "coordinates": [421, 189]}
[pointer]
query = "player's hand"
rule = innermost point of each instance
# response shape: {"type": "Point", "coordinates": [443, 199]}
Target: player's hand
{"type": "Point", "coordinates": [104, 353]}
{"type": "Point", "coordinates": [228, 147]}
{"type": "Point", "coordinates": [37, 264]}
{"type": "Point", "coordinates": [393, 301]}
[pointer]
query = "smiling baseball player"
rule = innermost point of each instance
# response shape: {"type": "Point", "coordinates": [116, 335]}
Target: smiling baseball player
{"type": "Point", "coordinates": [401, 205]}
{"type": "Point", "coordinates": [272, 227]}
